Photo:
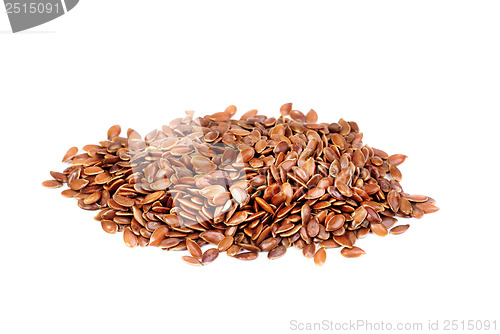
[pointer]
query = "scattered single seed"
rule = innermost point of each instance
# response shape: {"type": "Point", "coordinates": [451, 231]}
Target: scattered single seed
{"type": "Point", "coordinates": [191, 260]}
{"type": "Point", "coordinates": [70, 154]}
{"type": "Point", "coordinates": [52, 184]}
{"type": "Point", "coordinates": [109, 226]}
{"type": "Point", "coordinates": [399, 229]}
{"type": "Point", "coordinates": [69, 193]}
{"type": "Point", "coordinates": [114, 131]}
{"type": "Point", "coordinates": [396, 159]}
{"type": "Point", "coordinates": [352, 252]}
{"type": "Point", "coordinates": [320, 257]}
{"type": "Point", "coordinates": [209, 255]}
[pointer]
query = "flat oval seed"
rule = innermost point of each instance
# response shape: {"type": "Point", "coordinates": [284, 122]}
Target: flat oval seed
{"type": "Point", "coordinates": [249, 114]}
{"type": "Point", "coordinates": [379, 229]}
{"type": "Point", "coordinates": [309, 250]}
{"type": "Point", "coordinates": [285, 109]}
{"type": "Point", "coordinates": [93, 170]}
{"type": "Point", "coordinates": [320, 257]}
{"type": "Point", "coordinates": [250, 247]}
{"type": "Point", "coordinates": [233, 250]}
{"type": "Point", "coordinates": [389, 221]}
{"type": "Point", "coordinates": [210, 255]}
{"type": "Point", "coordinates": [172, 220]}
{"type": "Point", "coordinates": [399, 229]}
{"type": "Point", "coordinates": [334, 222]}
{"type": "Point", "coordinates": [395, 173]}
{"type": "Point", "coordinates": [311, 117]}
{"type": "Point", "coordinates": [239, 195]}
{"type": "Point", "coordinates": [381, 154]}
{"type": "Point", "coordinates": [124, 201]}
{"type": "Point", "coordinates": [213, 237]}
{"type": "Point", "coordinates": [231, 110]}
{"type": "Point", "coordinates": [343, 240]}
{"type": "Point", "coordinates": [109, 226]}
{"type": "Point", "coordinates": [417, 213]}
{"type": "Point", "coordinates": [102, 178]}
{"type": "Point", "coordinates": [358, 216]}
{"type": "Point", "coordinates": [305, 213]}
{"type": "Point", "coordinates": [78, 184]}
{"type": "Point", "coordinates": [69, 193]}
{"type": "Point", "coordinates": [158, 235]}
{"type": "Point", "coordinates": [264, 205]}
{"type": "Point", "coordinates": [345, 127]}
{"type": "Point", "coordinates": [92, 198]}
{"type": "Point", "coordinates": [315, 193]}
{"type": "Point", "coordinates": [393, 199]}
{"type": "Point", "coordinates": [417, 198]}
{"type": "Point", "coordinates": [358, 159]}
{"type": "Point", "coordinates": [312, 228]}
{"type": "Point", "coordinates": [247, 256]}
{"type": "Point", "coordinates": [260, 145]}
{"type": "Point", "coordinates": [237, 218]}
{"type": "Point", "coordinates": [268, 244]}
{"type": "Point", "coordinates": [70, 154]}
{"type": "Point", "coordinates": [352, 252]}
{"type": "Point", "coordinates": [362, 232]}
{"type": "Point", "coordinates": [225, 243]}
{"type": "Point", "coordinates": [51, 184]}
{"type": "Point", "coordinates": [396, 159]}
{"type": "Point", "coordinates": [212, 191]}
{"type": "Point", "coordinates": [150, 198]}
{"type": "Point", "coordinates": [247, 154]}
{"type": "Point", "coordinates": [194, 249]}
{"type": "Point", "coordinates": [405, 206]}
{"type": "Point", "coordinates": [427, 207]}
{"type": "Point", "coordinates": [114, 131]}
{"type": "Point", "coordinates": [191, 260]}
{"type": "Point", "coordinates": [298, 116]}
{"type": "Point", "coordinates": [59, 176]}
{"type": "Point", "coordinates": [277, 252]}
{"type": "Point", "coordinates": [168, 243]}
{"type": "Point", "coordinates": [221, 116]}
{"type": "Point", "coordinates": [330, 243]}
{"type": "Point", "coordinates": [344, 189]}
{"type": "Point", "coordinates": [129, 238]}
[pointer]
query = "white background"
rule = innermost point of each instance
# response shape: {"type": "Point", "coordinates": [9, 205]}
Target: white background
{"type": "Point", "coordinates": [420, 78]}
